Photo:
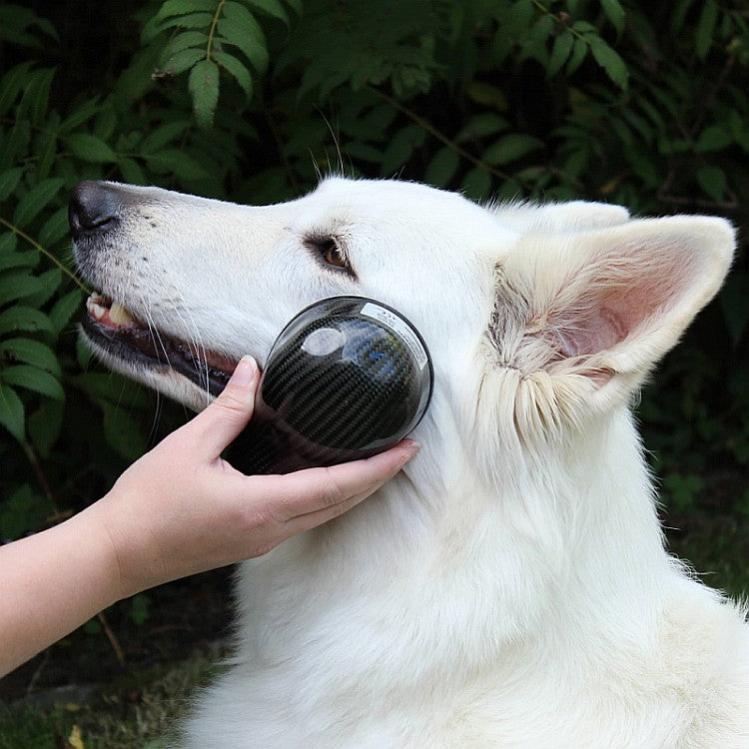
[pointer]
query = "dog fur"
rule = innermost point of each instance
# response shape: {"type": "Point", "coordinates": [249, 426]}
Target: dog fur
{"type": "Point", "coordinates": [510, 588]}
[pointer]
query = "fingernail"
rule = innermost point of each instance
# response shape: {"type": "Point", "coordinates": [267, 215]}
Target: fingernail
{"type": "Point", "coordinates": [410, 448]}
{"type": "Point", "coordinates": [245, 372]}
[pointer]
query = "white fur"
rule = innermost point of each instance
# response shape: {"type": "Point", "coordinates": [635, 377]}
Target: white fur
{"type": "Point", "coordinates": [510, 587]}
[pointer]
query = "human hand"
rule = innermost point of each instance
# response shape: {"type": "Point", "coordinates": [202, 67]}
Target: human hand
{"type": "Point", "coordinates": [182, 509]}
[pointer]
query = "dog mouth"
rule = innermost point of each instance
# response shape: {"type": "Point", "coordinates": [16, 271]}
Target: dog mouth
{"type": "Point", "coordinates": [121, 334]}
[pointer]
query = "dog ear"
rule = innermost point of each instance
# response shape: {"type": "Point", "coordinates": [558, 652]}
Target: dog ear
{"type": "Point", "coordinates": [586, 316]}
{"type": "Point", "coordinates": [576, 215]}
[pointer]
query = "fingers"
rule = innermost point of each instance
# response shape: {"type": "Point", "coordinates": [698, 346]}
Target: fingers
{"type": "Point", "coordinates": [310, 520]}
{"type": "Point", "coordinates": [319, 489]}
{"type": "Point", "coordinates": [228, 415]}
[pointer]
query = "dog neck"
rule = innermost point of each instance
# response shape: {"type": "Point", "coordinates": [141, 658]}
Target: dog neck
{"type": "Point", "coordinates": [458, 577]}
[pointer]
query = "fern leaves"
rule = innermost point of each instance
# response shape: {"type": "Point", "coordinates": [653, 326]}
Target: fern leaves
{"type": "Point", "coordinates": [540, 99]}
{"type": "Point", "coordinates": [205, 37]}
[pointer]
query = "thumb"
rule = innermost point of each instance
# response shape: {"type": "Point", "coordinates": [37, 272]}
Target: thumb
{"type": "Point", "coordinates": [218, 424]}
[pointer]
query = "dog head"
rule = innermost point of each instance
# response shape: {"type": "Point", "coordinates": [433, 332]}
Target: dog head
{"type": "Point", "coordinates": [536, 316]}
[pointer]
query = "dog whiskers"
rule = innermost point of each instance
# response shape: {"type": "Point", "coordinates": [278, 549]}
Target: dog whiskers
{"type": "Point", "coordinates": [154, 332]}
{"type": "Point", "coordinates": [193, 332]}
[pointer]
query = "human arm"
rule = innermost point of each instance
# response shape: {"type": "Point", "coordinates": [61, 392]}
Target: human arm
{"type": "Point", "coordinates": [179, 510]}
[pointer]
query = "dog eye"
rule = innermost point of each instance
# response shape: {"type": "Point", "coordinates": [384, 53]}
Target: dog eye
{"type": "Point", "coordinates": [329, 251]}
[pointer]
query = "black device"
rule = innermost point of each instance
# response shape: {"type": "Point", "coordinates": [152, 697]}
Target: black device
{"type": "Point", "coordinates": [347, 378]}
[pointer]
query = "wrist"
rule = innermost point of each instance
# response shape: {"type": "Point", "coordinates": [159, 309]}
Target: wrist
{"type": "Point", "coordinates": [96, 528]}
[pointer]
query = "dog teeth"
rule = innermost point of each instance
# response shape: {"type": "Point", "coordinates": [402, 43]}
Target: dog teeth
{"type": "Point", "coordinates": [119, 315]}
{"type": "Point", "coordinates": [108, 312]}
{"type": "Point", "coordinates": [95, 308]}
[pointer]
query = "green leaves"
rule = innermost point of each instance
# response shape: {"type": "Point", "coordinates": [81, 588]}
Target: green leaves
{"type": "Point", "coordinates": [203, 85]}
{"type": "Point", "coordinates": [560, 53]}
{"type": "Point", "coordinates": [703, 38]}
{"type": "Point", "coordinates": [55, 228]}
{"type": "Point", "coordinates": [184, 7]}
{"type": "Point", "coordinates": [21, 26]}
{"type": "Point", "coordinates": [18, 285]}
{"type": "Point", "coordinates": [12, 412]}
{"type": "Point", "coordinates": [683, 490]}
{"type": "Point", "coordinates": [714, 138]}
{"type": "Point", "coordinates": [26, 363]}
{"type": "Point", "coordinates": [31, 352]}
{"type": "Point", "coordinates": [9, 181]}
{"type": "Point", "coordinates": [236, 69]}
{"type": "Point", "coordinates": [20, 317]}
{"type": "Point", "coordinates": [183, 60]}
{"type": "Point", "coordinates": [335, 49]}
{"type": "Point", "coordinates": [23, 511]}
{"type": "Point", "coordinates": [238, 27]}
{"type": "Point", "coordinates": [511, 148]}
{"type": "Point", "coordinates": [162, 135]}
{"type": "Point", "coordinates": [481, 125]}
{"type": "Point", "coordinates": [477, 184]}
{"type": "Point", "coordinates": [90, 148]}
{"type": "Point", "coordinates": [271, 8]}
{"type": "Point", "coordinates": [33, 378]}
{"type": "Point", "coordinates": [35, 200]}
{"type": "Point", "coordinates": [63, 310]}
{"type": "Point", "coordinates": [140, 609]}
{"type": "Point", "coordinates": [214, 35]}
{"type": "Point", "coordinates": [610, 61]}
{"type": "Point", "coordinates": [442, 167]}
{"type": "Point", "coordinates": [400, 148]}
{"type": "Point", "coordinates": [44, 426]}
{"type": "Point", "coordinates": [572, 45]}
{"type": "Point", "coordinates": [19, 260]}
{"type": "Point", "coordinates": [176, 162]}
{"type": "Point", "coordinates": [605, 100]}
{"type": "Point", "coordinates": [615, 13]}
{"type": "Point", "coordinates": [712, 180]}
{"type": "Point", "coordinates": [122, 431]}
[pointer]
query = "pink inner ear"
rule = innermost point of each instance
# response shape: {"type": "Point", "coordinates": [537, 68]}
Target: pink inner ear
{"type": "Point", "coordinates": [601, 329]}
{"type": "Point", "coordinates": [628, 294]}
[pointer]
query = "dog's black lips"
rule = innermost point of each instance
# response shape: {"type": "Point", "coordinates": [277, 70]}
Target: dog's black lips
{"type": "Point", "coordinates": [139, 345]}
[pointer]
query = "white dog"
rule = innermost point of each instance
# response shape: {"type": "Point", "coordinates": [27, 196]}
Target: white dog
{"type": "Point", "coordinates": [510, 587]}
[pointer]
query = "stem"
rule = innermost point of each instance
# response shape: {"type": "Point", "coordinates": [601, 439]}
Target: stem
{"type": "Point", "coordinates": [113, 641]}
{"type": "Point", "coordinates": [38, 472]}
{"type": "Point", "coordinates": [547, 12]}
{"type": "Point", "coordinates": [37, 673]}
{"type": "Point", "coordinates": [424, 124]}
{"type": "Point", "coordinates": [42, 479]}
{"type": "Point", "coordinates": [213, 29]}
{"type": "Point", "coordinates": [45, 252]}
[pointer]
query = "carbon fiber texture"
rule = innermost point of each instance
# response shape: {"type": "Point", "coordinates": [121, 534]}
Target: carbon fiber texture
{"type": "Point", "coordinates": [347, 378]}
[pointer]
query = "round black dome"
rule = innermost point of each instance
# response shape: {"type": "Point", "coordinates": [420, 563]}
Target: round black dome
{"type": "Point", "coordinates": [348, 377]}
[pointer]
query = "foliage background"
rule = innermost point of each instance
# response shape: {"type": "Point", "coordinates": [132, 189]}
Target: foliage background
{"type": "Point", "coordinates": [639, 103]}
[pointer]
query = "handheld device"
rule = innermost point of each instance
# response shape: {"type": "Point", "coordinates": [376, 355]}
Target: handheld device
{"type": "Point", "coordinates": [347, 378]}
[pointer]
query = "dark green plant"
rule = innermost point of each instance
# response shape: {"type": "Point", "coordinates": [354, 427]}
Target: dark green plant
{"type": "Point", "coordinates": [643, 104]}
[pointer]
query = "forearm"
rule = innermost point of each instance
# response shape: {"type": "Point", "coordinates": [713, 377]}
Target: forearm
{"type": "Point", "coordinates": [177, 511]}
{"type": "Point", "coordinates": [51, 583]}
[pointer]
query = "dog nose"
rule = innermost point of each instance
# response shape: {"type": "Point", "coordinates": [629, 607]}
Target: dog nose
{"type": "Point", "coordinates": [93, 207]}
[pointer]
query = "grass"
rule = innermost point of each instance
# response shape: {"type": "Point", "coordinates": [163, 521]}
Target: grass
{"type": "Point", "coordinates": [140, 709]}
{"type": "Point", "coordinates": [136, 711]}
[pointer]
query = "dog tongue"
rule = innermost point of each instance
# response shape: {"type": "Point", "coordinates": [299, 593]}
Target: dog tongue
{"type": "Point", "coordinates": [116, 317]}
